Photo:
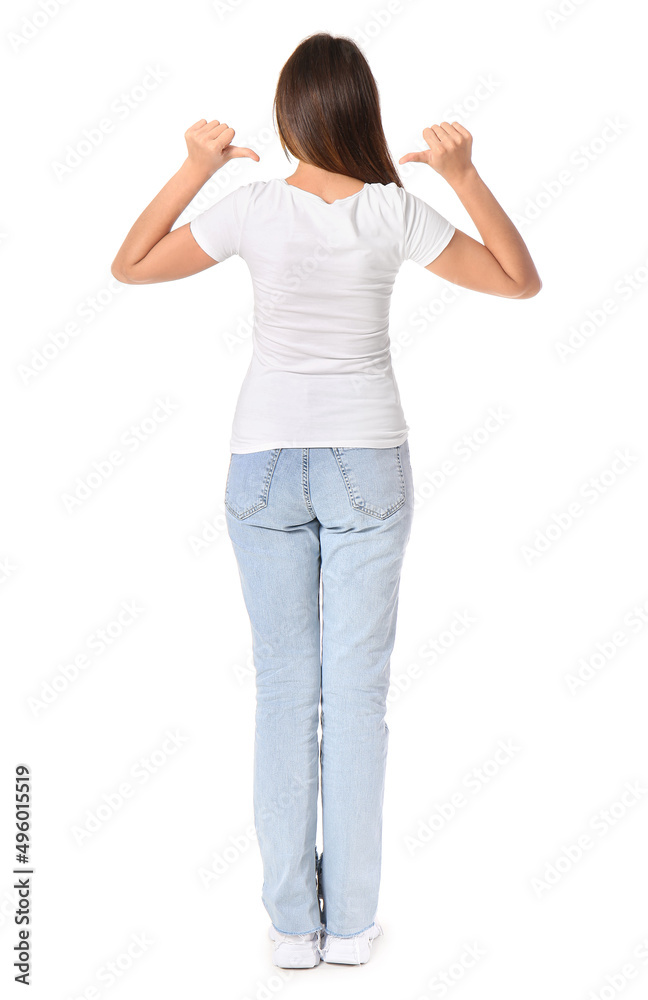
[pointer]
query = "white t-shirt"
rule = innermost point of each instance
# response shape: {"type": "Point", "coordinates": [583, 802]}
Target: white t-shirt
{"type": "Point", "coordinates": [321, 372]}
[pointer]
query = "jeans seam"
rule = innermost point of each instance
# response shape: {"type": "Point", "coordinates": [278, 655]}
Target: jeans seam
{"type": "Point", "coordinates": [305, 488]}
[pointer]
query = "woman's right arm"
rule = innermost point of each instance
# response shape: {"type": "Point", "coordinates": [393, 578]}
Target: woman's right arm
{"type": "Point", "coordinates": [501, 265]}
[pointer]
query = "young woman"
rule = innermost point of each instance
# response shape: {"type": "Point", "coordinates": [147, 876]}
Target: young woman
{"type": "Point", "coordinates": [319, 492]}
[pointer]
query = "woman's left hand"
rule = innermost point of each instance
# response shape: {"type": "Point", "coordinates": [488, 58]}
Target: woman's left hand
{"type": "Point", "coordinates": [209, 145]}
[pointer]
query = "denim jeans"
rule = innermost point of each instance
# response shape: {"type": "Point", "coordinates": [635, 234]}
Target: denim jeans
{"type": "Point", "coordinates": [301, 521]}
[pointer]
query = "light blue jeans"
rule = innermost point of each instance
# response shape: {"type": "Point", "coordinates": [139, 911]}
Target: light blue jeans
{"type": "Point", "coordinates": [298, 519]}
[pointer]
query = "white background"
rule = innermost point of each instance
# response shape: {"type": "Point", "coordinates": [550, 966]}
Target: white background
{"type": "Point", "coordinates": [153, 531]}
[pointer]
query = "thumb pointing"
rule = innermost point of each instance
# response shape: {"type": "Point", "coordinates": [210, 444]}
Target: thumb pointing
{"type": "Point", "coordinates": [244, 151]}
{"type": "Point", "coordinates": [413, 158]}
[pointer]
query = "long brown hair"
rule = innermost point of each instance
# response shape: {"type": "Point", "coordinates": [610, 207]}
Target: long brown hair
{"type": "Point", "coordinates": [327, 110]}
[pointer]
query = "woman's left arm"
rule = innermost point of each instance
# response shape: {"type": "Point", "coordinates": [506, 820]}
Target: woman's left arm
{"type": "Point", "coordinates": [151, 252]}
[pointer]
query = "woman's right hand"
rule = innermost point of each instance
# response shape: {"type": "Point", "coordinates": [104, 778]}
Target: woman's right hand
{"type": "Point", "coordinates": [449, 153]}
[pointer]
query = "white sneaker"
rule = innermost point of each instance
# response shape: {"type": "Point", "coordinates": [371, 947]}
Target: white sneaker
{"type": "Point", "coordinates": [295, 951]}
{"type": "Point", "coordinates": [354, 950]}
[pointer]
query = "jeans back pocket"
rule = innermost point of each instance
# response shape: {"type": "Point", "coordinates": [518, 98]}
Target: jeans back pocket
{"type": "Point", "coordinates": [374, 479]}
{"type": "Point", "coordinates": [248, 481]}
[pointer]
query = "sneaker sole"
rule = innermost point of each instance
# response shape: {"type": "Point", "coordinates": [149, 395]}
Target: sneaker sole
{"type": "Point", "coordinates": [349, 951]}
{"type": "Point", "coordinates": [304, 955]}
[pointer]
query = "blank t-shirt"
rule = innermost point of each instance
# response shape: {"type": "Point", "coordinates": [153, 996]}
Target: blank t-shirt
{"type": "Point", "coordinates": [321, 372]}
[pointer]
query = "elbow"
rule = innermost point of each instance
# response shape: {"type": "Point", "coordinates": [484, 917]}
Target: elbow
{"type": "Point", "coordinates": [116, 273]}
{"type": "Point", "coordinates": [119, 273]}
{"type": "Point", "coordinates": [530, 290]}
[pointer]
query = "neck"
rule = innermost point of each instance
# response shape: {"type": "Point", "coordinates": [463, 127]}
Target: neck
{"type": "Point", "coordinates": [324, 182]}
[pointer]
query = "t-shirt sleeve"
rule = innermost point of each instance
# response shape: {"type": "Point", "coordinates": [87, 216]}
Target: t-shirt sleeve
{"type": "Point", "coordinates": [218, 229]}
{"type": "Point", "coordinates": [426, 231]}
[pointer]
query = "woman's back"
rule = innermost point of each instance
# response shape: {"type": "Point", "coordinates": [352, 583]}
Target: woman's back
{"type": "Point", "coordinates": [323, 275]}
{"type": "Point", "coordinates": [319, 535]}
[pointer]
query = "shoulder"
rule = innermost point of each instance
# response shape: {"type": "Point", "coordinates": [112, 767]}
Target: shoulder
{"type": "Point", "coordinates": [242, 193]}
{"type": "Point", "coordinates": [389, 192]}
{"type": "Point", "coordinates": [254, 189]}
{"type": "Point", "coordinates": [387, 195]}
{"type": "Point", "coordinates": [258, 194]}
